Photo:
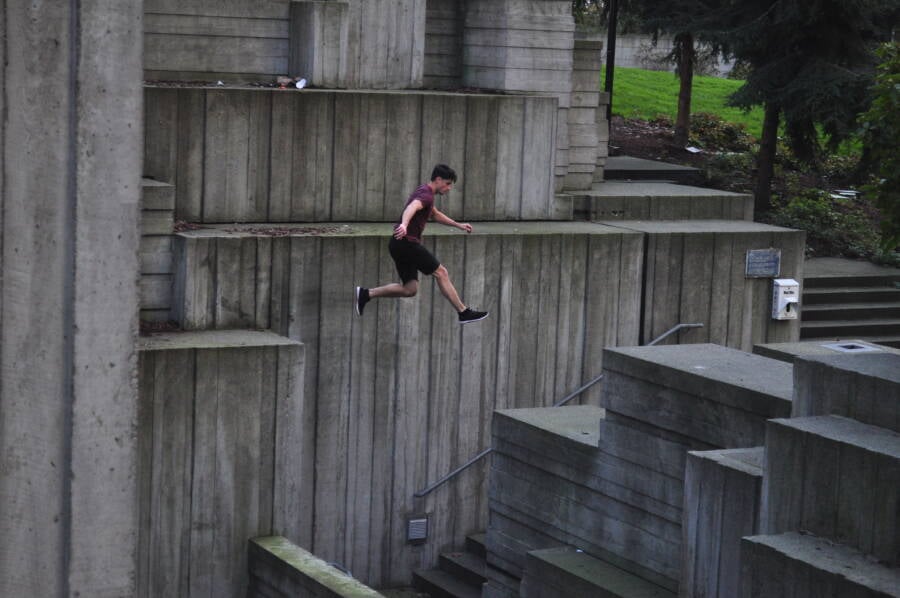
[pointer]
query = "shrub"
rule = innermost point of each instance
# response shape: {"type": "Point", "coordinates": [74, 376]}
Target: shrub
{"type": "Point", "coordinates": [711, 131]}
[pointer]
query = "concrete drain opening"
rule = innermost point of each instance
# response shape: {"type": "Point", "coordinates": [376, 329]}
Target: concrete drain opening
{"type": "Point", "coordinates": [851, 347]}
{"type": "Point", "coordinates": [417, 530]}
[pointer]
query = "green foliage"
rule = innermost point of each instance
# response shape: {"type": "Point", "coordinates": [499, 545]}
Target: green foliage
{"type": "Point", "coordinates": [835, 226]}
{"type": "Point", "coordinates": [711, 130]}
{"type": "Point", "coordinates": [881, 143]}
{"type": "Point", "coordinates": [644, 94]}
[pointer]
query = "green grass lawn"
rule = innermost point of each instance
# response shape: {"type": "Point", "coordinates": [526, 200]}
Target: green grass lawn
{"type": "Point", "coordinates": [638, 93]}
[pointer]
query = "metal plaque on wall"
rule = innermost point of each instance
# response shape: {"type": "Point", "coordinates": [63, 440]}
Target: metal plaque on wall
{"type": "Point", "coordinates": [763, 263]}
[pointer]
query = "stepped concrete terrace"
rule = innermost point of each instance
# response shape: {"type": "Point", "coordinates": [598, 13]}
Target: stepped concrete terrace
{"type": "Point", "coordinates": [611, 481]}
{"type": "Point", "coordinates": [402, 395]}
{"type": "Point", "coordinates": [629, 168]}
{"type": "Point", "coordinates": [654, 200]}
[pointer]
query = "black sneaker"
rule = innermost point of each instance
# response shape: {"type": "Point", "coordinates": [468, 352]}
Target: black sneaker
{"type": "Point", "coordinates": [362, 297]}
{"type": "Point", "coordinates": [467, 316]}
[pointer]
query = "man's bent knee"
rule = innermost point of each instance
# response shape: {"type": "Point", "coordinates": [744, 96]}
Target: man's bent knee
{"type": "Point", "coordinates": [441, 273]}
{"type": "Point", "coordinates": [411, 288]}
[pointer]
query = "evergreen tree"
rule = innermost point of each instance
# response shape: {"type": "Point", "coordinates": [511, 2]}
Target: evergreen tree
{"type": "Point", "coordinates": [811, 65]}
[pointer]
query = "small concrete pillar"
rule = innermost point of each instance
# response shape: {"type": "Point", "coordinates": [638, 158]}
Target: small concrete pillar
{"type": "Point", "coordinates": [583, 128]}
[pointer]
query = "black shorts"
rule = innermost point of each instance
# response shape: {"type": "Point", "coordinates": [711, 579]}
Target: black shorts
{"type": "Point", "coordinates": [411, 258]}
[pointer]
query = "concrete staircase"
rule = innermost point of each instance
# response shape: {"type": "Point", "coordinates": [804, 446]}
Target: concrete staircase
{"type": "Point", "coordinates": [459, 574]}
{"type": "Point", "coordinates": [845, 299]}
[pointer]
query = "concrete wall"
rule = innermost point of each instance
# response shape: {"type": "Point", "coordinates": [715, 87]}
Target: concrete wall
{"type": "Point", "coordinates": [221, 418]}
{"type": "Point", "coordinates": [444, 20]}
{"type": "Point", "coordinates": [289, 156]}
{"type": "Point", "coordinates": [403, 394]}
{"type": "Point", "coordinates": [695, 273]}
{"type": "Point", "coordinates": [358, 44]}
{"type": "Point", "coordinates": [214, 39]}
{"type": "Point", "coordinates": [637, 51]}
{"type": "Point", "coordinates": [70, 142]}
{"type": "Point", "coordinates": [157, 222]}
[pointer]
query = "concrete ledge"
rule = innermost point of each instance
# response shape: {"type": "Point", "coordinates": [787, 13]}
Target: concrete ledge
{"type": "Point", "coordinates": [281, 569]}
{"type": "Point", "coordinates": [555, 572]}
{"type": "Point", "coordinates": [722, 495]}
{"type": "Point", "coordinates": [837, 478]}
{"type": "Point", "coordinates": [648, 200]}
{"type": "Point", "coordinates": [705, 392]}
{"type": "Point", "coordinates": [790, 351]}
{"type": "Point", "coordinates": [864, 387]}
{"type": "Point", "coordinates": [804, 565]}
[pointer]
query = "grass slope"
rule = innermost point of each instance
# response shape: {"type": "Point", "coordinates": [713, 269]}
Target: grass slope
{"type": "Point", "coordinates": [638, 93]}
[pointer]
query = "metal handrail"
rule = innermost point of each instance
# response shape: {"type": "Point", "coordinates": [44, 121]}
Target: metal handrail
{"type": "Point", "coordinates": [672, 331]}
{"type": "Point", "coordinates": [487, 451]}
{"type": "Point", "coordinates": [429, 489]}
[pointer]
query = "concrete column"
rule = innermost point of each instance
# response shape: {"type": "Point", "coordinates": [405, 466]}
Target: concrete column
{"type": "Point", "coordinates": [71, 153]}
{"type": "Point", "coordinates": [525, 46]}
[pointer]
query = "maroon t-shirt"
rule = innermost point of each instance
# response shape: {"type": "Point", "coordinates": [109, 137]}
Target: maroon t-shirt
{"type": "Point", "coordinates": [417, 222]}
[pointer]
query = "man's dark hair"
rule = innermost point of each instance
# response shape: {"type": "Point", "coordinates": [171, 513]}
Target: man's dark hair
{"type": "Point", "coordinates": [445, 172]}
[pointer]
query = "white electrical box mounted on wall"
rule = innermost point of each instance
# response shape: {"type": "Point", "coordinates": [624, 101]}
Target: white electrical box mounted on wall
{"type": "Point", "coordinates": [785, 298]}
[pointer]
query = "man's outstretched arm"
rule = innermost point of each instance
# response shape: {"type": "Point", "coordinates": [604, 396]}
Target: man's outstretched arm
{"type": "Point", "coordinates": [442, 218]}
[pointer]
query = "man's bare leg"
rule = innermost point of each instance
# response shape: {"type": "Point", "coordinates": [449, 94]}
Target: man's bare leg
{"type": "Point", "coordinates": [395, 289]}
{"type": "Point", "coordinates": [447, 289]}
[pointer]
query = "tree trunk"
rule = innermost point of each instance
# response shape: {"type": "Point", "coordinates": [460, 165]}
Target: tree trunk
{"type": "Point", "coordinates": [685, 57]}
{"type": "Point", "coordinates": [765, 166]}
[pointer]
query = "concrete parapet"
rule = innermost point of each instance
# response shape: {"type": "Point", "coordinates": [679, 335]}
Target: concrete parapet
{"type": "Point", "coordinates": [696, 272]}
{"type": "Point", "coordinates": [864, 387]}
{"type": "Point", "coordinates": [555, 572]}
{"type": "Point", "coordinates": [708, 393]}
{"type": "Point", "coordinates": [222, 426]}
{"type": "Point", "coordinates": [281, 569]}
{"type": "Point", "coordinates": [319, 40]}
{"type": "Point", "coordinates": [270, 155]}
{"type": "Point", "coordinates": [722, 493]}
{"type": "Point", "coordinates": [796, 564]}
{"type": "Point", "coordinates": [837, 478]}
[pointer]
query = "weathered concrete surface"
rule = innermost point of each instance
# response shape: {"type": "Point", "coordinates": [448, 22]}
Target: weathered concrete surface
{"type": "Point", "coordinates": [837, 478]}
{"type": "Point", "coordinates": [402, 392]}
{"type": "Point", "coordinates": [270, 155]}
{"type": "Point", "coordinates": [555, 572]}
{"type": "Point", "coordinates": [70, 139]}
{"type": "Point", "coordinates": [790, 351]}
{"type": "Point", "coordinates": [653, 200]}
{"type": "Point", "coordinates": [157, 220]}
{"type": "Point", "coordinates": [709, 393]}
{"type": "Point", "coordinates": [444, 21]}
{"type": "Point", "coordinates": [209, 39]}
{"type": "Point", "coordinates": [222, 419]}
{"type": "Point", "coordinates": [804, 565]}
{"type": "Point", "coordinates": [281, 569]}
{"type": "Point", "coordinates": [722, 495]}
{"type": "Point", "coordinates": [696, 272]}
{"type": "Point", "coordinates": [864, 387]}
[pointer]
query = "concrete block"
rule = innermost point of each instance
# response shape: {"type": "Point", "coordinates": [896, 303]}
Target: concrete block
{"type": "Point", "coordinates": [796, 564]}
{"type": "Point", "coordinates": [319, 42]}
{"type": "Point", "coordinates": [279, 568]}
{"type": "Point", "coordinates": [837, 478]}
{"type": "Point", "coordinates": [790, 351]}
{"type": "Point", "coordinates": [710, 393]}
{"type": "Point", "coordinates": [722, 496]}
{"type": "Point", "coordinates": [554, 572]}
{"type": "Point", "coordinates": [864, 387]}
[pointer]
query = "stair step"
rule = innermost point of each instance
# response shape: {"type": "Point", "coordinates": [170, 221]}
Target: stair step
{"type": "Point", "coordinates": [869, 280]}
{"type": "Point", "coordinates": [884, 340]}
{"type": "Point", "coordinates": [837, 478]}
{"type": "Point", "coordinates": [466, 566]}
{"type": "Point", "coordinates": [847, 311]}
{"type": "Point", "coordinates": [440, 584]}
{"type": "Point", "coordinates": [849, 328]}
{"type": "Point", "coordinates": [795, 564]}
{"type": "Point", "coordinates": [867, 294]}
{"type": "Point", "coordinates": [475, 543]}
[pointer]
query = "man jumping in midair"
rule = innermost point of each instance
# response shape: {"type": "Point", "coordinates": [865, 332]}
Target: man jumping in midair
{"type": "Point", "coordinates": [411, 257]}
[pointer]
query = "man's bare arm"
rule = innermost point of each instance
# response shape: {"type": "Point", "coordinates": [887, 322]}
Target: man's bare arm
{"type": "Point", "coordinates": [410, 211]}
{"type": "Point", "coordinates": [442, 218]}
